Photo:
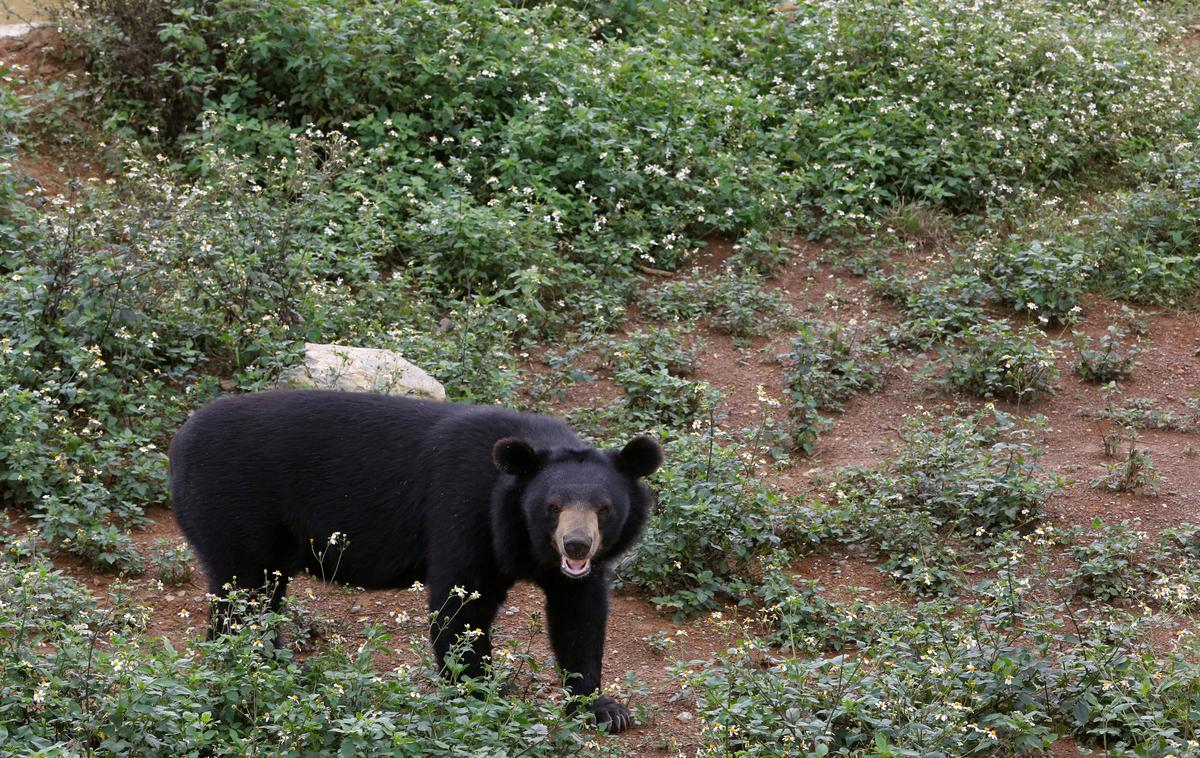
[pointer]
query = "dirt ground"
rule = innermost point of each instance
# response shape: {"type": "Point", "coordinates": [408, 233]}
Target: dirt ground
{"type": "Point", "coordinates": [1168, 372]}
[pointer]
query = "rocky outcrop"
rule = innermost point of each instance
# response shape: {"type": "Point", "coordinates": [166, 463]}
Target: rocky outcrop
{"type": "Point", "coordinates": [360, 369]}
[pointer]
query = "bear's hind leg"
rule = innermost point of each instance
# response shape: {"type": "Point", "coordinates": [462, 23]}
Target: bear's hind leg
{"type": "Point", "coordinates": [461, 629]}
{"type": "Point", "coordinates": [255, 589]}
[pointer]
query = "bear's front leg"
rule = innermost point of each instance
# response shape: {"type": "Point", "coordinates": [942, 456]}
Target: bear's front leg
{"type": "Point", "coordinates": [462, 615]}
{"type": "Point", "coordinates": [577, 614]}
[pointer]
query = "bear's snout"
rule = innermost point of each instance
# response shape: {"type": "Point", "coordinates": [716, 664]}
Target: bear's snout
{"type": "Point", "coordinates": [577, 539]}
{"type": "Point", "coordinates": [577, 545]}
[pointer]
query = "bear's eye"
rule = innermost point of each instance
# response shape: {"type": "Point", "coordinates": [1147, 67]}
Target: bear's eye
{"type": "Point", "coordinates": [554, 507]}
{"type": "Point", "coordinates": [602, 511]}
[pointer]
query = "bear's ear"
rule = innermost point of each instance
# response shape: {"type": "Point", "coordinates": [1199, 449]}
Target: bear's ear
{"type": "Point", "coordinates": [641, 457]}
{"type": "Point", "coordinates": [513, 455]}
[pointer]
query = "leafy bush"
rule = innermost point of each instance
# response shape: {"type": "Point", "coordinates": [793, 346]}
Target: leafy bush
{"type": "Point", "coordinates": [742, 307]}
{"type": "Point", "coordinates": [734, 303]}
{"type": "Point", "coordinates": [492, 102]}
{"type": "Point", "coordinates": [994, 361]}
{"type": "Point", "coordinates": [1044, 279]}
{"type": "Point", "coordinates": [997, 675]}
{"type": "Point", "coordinates": [938, 307]}
{"type": "Point", "coordinates": [14, 213]}
{"type": "Point", "coordinates": [671, 349]}
{"type": "Point", "coordinates": [127, 303]}
{"type": "Point", "coordinates": [722, 115]}
{"type": "Point", "coordinates": [933, 685]}
{"type": "Point", "coordinates": [1145, 413]}
{"type": "Point", "coordinates": [652, 368]}
{"type": "Point", "coordinates": [770, 440]}
{"type": "Point", "coordinates": [800, 619]}
{"type": "Point", "coordinates": [1175, 584]}
{"type": "Point", "coordinates": [122, 47]}
{"type": "Point", "coordinates": [1136, 473]}
{"type": "Point", "coordinates": [1146, 242]}
{"type": "Point", "coordinates": [961, 105]}
{"type": "Point", "coordinates": [826, 366]}
{"type": "Point", "coordinates": [760, 252]}
{"type": "Point", "coordinates": [659, 398]}
{"type": "Point", "coordinates": [1109, 362]}
{"type": "Point", "coordinates": [948, 485]}
{"type": "Point", "coordinates": [500, 248]}
{"type": "Point", "coordinates": [679, 300]}
{"type": "Point", "coordinates": [1107, 564]}
{"type": "Point", "coordinates": [712, 522]}
{"type": "Point", "coordinates": [173, 563]}
{"type": "Point", "coordinates": [1137, 244]}
{"type": "Point", "coordinates": [1119, 695]}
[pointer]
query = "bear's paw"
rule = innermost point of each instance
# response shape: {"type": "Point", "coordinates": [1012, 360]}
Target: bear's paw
{"type": "Point", "coordinates": [610, 712]}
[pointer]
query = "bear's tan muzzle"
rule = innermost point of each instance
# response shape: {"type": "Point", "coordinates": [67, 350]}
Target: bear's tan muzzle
{"type": "Point", "coordinates": [577, 539]}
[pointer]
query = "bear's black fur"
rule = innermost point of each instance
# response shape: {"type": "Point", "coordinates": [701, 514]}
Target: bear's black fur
{"type": "Point", "coordinates": [451, 495]}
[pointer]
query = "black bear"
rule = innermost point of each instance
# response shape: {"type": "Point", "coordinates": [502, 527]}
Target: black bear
{"type": "Point", "coordinates": [452, 495]}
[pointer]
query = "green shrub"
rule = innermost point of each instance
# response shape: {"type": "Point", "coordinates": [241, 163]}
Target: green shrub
{"type": "Point", "coordinates": [932, 685]}
{"type": "Point", "coordinates": [128, 302]}
{"type": "Point", "coordinates": [827, 365]}
{"type": "Point", "coordinates": [712, 522]}
{"type": "Point", "coordinates": [961, 106]}
{"type": "Point", "coordinates": [14, 213]}
{"type": "Point", "coordinates": [1145, 413]}
{"type": "Point", "coordinates": [1118, 694]}
{"type": "Point", "coordinates": [950, 484]}
{"type": "Point", "coordinates": [122, 46]}
{"type": "Point", "coordinates": [1107, 565]}
{"type": "Point", "coordinates": [997, 676]}
{"type": "Point", "coordinates": [770, 440]}
{"type": "Point", "coordinates": [502, 102]}
{"type": "Point", "coordinates": [1146, 242]}
{"type": "Point", "coordinates": [1136, 244]}
{"type": "Point", "coordinates": [79, 677]}
{"type": "Point", "coordinates": [658, 398]}
{"type": "Point", "coordinates": [760, 252]}
{"type": "Point", "coordinates": [799, 618]}
{"type": "Point", "coordinates": [1043, 279]}
{"type": "Point", "coordinates": [995, 361]}
{"type": "Point", "coordinates": [172, 562]}
{"type": "Point", "coordinates": [678, 300]}
{"type": "Point", "coordinates": [938, 306]}
{"type": "Point", "coordinates": [652, 367]}
{"type": "Point", "coordinates": [1175, 568]}
{"type": "Point", "coordinates": [1135, 473]}
{"type": "Point", "coordinates": [734, 303]}
{"type": "Point", "coordinates": [741, 306]}
{"type": "Point", "coordinates": [671, 348]}
{"type": "Point", "coordinates": [1107, 363]}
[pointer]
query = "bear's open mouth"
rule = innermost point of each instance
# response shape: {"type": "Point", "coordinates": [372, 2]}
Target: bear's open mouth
{"type": "Point", "coordinates": [575, 568]}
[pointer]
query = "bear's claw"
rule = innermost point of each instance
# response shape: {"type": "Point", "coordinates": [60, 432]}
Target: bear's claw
{"type": "Point", "coordinates": [610, 712]}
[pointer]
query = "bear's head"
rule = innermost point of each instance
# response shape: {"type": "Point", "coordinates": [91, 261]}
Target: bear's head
{"type": "Point", "coordinates": [580, 504]}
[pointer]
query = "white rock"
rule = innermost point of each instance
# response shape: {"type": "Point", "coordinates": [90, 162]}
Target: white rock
{"type": "Point", "coordinates": [360, 369]}
{"type": "Point", "coordinates": [20, 30]}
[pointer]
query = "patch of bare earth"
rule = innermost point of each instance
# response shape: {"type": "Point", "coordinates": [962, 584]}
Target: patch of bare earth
{"type": "Point", "coordinates": [61, 153]}
{"type": "Point", "coordinates": [1190, 40]}
{"type": "Point", "coordinates": [1168, 372]}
